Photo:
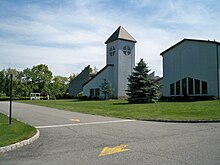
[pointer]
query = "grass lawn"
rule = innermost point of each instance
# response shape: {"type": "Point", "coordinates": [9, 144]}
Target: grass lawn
{"type": "Point", "coordinates": [199, 110]}
{"type": "Point", "coordinates": [15, 132]}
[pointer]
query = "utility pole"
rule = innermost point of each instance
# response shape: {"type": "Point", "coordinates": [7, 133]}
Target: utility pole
{"type": "Point", "coordinates": [10, 110]}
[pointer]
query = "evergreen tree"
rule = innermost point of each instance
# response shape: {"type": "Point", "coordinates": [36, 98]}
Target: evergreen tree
{"type": "Point", "coordinates": [142, 88]}
{"type": "Point", "coordinates": [106, 88]}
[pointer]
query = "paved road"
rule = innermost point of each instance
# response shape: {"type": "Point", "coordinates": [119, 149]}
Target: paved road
{"type": "Point", "coordinates": [72, 142]}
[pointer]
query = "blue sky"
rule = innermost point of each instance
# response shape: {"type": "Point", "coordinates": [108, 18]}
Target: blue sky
{"type": "Point", "coordinates": [67, 35]}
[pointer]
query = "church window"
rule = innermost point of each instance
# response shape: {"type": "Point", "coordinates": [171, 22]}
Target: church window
{"type": "Point", "coordinates": [190, 86]}
{"type": "Point", "coordinates": [112, 51]}
{"type": "Point", "coordinates": [97, 92]}
{"type": "Point", "coordinates": [126, 50]}
{"type": "Point", "coordinates": [184, 87]}
{"type": "Point", "coordinates": [204, 87]}
{"type": "Point", "coordinates": [178, 88]}
{"type": "Point", "coordinates": [172, 89]}
{"type": "Point", "coordinates": [197, 86]}
{"type": "Point", "coordinates": [92, 93]}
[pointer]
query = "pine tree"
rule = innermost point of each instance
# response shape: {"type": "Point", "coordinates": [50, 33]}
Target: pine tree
{"type": "Point", "coordinates": [141, 87]}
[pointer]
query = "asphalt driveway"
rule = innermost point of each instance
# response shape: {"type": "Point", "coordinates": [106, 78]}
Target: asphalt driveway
{"type": "Point", "coordinates": [75, 138]}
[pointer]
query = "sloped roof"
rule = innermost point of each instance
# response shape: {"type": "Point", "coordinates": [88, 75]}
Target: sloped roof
{"type": "Point", "coordinates": [122, 34]}
{"type": "Point", "coordinates": [98, 73]}
{"type": "Point", "coordinates": [185, 39]}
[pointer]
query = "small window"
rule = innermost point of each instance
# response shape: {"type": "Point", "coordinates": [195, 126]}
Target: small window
{"type": "Point", "coordinates": [204, 87]}
{"type": "Point", "coordinates": [184, 87]}
{"type": "Point", "coordinates": [172, 89]}
{"type": "Point", "coordinates": [97, 92]}
{"type": "Point", "coordinates": [178, 88]}
{"type": "Point", "coordinates": [92, 93]}
{"type": "Point", "coordinates": [190, 86]}
{"type": "Point", "coordinates": [126, 50]}
{"type": "Point", "coordinates": [197, 86]}
{"type": "Point", "coordinates": [112, 51]}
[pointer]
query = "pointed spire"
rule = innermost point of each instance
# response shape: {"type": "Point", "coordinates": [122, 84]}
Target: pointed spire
{"type": "Point", "coordinates": [122, 34]}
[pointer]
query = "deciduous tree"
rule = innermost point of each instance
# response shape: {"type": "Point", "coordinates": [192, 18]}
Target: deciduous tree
{"type": "Point", "coordinates": [106, 88]}
{"type": "Point", "coordinates": [41, 77]}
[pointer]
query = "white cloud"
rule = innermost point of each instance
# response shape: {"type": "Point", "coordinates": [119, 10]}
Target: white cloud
{"type": "Point", "coordinates": [13, 54]}
{"type": "Point", "coordinates": [71, 35]}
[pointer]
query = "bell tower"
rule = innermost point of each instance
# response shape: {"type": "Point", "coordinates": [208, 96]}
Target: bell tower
{"type": "Point", "coordinates": [120, 52]}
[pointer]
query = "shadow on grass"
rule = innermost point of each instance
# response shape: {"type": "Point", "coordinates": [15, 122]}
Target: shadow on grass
{"type": "Point", "coordinates": [133, 103]}
{"type": "Point", "coordinates": [121, 104]}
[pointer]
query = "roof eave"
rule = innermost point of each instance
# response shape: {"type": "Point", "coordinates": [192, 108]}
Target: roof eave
{"type": "Point", "coordinates": [106, 42]}
{"type": "Point", "coordinates": [186, 39]}
{"type": "Point", "coordinates": [97, 74]}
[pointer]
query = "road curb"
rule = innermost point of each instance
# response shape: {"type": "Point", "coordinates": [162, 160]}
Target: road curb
{"type": "Point", "coordinates": [20, 144]}
{"type": "Point", "coordinates": [185, 121]}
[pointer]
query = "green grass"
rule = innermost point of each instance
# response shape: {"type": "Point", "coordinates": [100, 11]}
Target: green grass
{"type": "Point", "coordinates": [15, 132]}
{"type": "Point", "coordinates": [200, 110]}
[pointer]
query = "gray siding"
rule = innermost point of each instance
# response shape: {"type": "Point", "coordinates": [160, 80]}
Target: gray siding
{"type": "Point", "coordinates": [75, 85]}
{"type": "Point", "coordinates": [113, 60]}
{"type": "Point", "coordinates": [125, 67]}
{"type": "Point", "coordinates": [192, 59]}
{"type": "Point", "coordinates": [96, 82]}
{"type": "Point", "coordinates": [218, 54]}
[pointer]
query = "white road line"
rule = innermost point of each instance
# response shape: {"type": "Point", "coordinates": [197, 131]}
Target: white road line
{"type": "Point", "coordinates": [79, 124]}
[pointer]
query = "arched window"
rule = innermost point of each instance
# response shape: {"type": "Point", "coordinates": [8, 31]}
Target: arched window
{"type": "Point", "coordinates": [126, 50]}
{"type": "Point", "coordinates": [112, 51]}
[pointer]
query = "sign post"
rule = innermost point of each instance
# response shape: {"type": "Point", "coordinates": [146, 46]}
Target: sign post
{"type": "Point", "coordinates": [10, 110]}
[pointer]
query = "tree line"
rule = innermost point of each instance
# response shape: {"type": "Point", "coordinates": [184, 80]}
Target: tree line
{"type": "Point", "coordinates": [38, 79]}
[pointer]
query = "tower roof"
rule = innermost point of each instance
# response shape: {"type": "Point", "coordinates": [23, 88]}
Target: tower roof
{"type": "Point", "coordinates": [122, 34]}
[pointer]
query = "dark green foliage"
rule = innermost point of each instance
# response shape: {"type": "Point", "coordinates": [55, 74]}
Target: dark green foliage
{"type": "Point", "coordinates": [41, 78]}
{"type": "Point", "coordinates": [59, 87]}
{"type": "Point", "coordinates": [142, 88]}
{"type": "Point", "coordinates": [106, 89]}
{"type": "Point", "coordinates": [37, 79]}
{"type": "Point", "coordinates": [93, 70]}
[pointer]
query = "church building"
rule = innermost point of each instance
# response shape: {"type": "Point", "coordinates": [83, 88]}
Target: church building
{"type": "Point", "coordinates": [120, 61]}
{"type": "Point", "coordinates": [191, 68]}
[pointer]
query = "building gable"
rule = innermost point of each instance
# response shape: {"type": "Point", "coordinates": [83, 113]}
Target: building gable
{"type": "Point", "coordinates": [95, 83]}
{"type": "Point", "coordinates": [184, 40]}
{"type": "Point", "coordinates": [191, 68]}
{"type": "Point", "coordinates": [97, 74]}
{"type": "Point", "coordinates": [75, 85]}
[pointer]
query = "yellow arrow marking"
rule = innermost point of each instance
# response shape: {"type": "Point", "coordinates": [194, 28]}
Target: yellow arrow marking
{"type": "Point", "coordinates": [117, 149]}
{"type": "Point", "coordinates": [75, 120]}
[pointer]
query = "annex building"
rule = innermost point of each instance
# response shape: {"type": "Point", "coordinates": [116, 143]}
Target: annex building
{"type": "Point", "coordinates": [120, 61]}
{"type": "Point", "coordinates": [191, 68]}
